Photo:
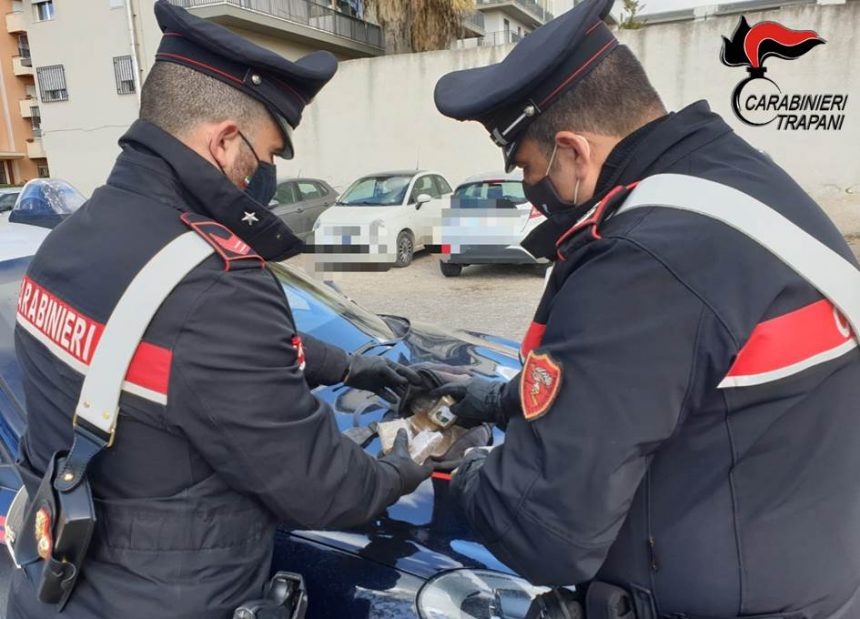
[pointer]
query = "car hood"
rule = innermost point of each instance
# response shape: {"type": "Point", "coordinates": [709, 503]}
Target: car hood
{"type": "Point", "coordinates": [356, 214]}
{"type": "Point", "coordinates": [423, 533]}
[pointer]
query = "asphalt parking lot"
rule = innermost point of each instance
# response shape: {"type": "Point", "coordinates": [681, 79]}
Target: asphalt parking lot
{"type": "Point", "coordinates": [495, 299]}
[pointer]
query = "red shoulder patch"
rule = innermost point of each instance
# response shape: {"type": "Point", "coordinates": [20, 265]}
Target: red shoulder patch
{"type": "Point", "coordinates": [539, 385]}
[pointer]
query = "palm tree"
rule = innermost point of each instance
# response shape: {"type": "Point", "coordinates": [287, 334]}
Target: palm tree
{"type": "Point", "coordinates": [420, 25]}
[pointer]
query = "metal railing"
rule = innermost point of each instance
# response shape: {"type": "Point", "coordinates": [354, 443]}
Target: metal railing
{"type": "Point", "coordinates": [491, 39]}
{"type": "Point", "coordinates": [530, 6]}
{"type": "Point", "coordinates": [474, 20]}
{"type": "Point", "coordinates": [306, 13]}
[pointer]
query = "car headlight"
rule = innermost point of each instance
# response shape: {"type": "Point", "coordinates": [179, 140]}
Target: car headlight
{"type": "Point", "coordinates": [476, 594]}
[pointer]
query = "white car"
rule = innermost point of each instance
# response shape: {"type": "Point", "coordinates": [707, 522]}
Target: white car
{"type": "Point", "coordinates": [381, 220]}
{"type": "Point", "coordinates": [488, 218]}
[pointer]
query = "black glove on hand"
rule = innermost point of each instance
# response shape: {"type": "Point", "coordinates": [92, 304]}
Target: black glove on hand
{"type": "Point", "coordinates": [410, 472]}
{"type": "Point", "coordinates": [480, 400]}
{"type": "Point", "coordinates": [380, 375]}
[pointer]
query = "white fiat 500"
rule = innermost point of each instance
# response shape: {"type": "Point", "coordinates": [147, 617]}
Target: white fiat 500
{"type": "Point", "coordinates": [381, 220]}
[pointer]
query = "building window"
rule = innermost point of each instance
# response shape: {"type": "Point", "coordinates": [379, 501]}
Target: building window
{"type": "Point", "coordinates": [24, 50]}
{"type": "Point", "coordinates": [123, 72]}
{"type": "Point", "coordinates": [43, 170]}
{"type": "Point", "coordinates": [52, 83]}
{"type": "Point", "coordinates": [36, 121]}
{"type": "Point", "coordinates": [43, 10]}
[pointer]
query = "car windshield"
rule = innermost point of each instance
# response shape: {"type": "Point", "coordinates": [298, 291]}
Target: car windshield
{"type": "Point", "coordinates": [326, 315]}
{"type": "Point", "coordinates": [384, 190]}
{"type": "Point", "coordinates": [511, 191]}
{"type": "Point", "coordinates": [49, 197]}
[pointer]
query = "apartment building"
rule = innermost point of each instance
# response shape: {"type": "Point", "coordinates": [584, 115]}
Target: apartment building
{"type": "Point", "coordinates": [89, 58]}
{"type": "Point", "coordinates": [499, 22]}
{"type": "Point", "coordinates": [22, 155]}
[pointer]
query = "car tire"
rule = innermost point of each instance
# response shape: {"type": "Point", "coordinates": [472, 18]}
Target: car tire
{"type": "Point", "coordinates": [405, 249]}
{"type": "Point", "coordinates": [450, 270]}
{"type": "Point", "coordinates": [541, 268]}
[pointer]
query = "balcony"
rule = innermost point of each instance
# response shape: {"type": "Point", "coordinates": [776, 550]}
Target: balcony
{"type": "Point", "coordinates": [27, 106]}
{"type": "Point", "coordinates": [22, 65]}
{"type": "Point", "coordinates": [35, 149]}
{"type": "Point", "coordinates": [473, 24]}
{"type": "Point", "coordinates": [15, 22]}
{"type": "Point", "coordinates": [527, 11]}
{"type": "Point", "coordinates": [302, 21]}
{"type": "Point", "coordinates": [491, 39]}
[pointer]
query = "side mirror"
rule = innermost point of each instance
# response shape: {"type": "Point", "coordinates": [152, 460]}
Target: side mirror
{"type": "Point", "coordinates": [273, 202]}
{"type": "Point", "coordinates": [423, 198]}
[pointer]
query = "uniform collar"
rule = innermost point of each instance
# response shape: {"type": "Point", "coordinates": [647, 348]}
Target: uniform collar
{"type": "Point", "coordinates": [206, 191]}
{"type": "Point", "coordinates": [651, 149]}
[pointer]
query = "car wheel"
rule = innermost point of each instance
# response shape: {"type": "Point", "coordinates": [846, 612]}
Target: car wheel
{"type": "Point", "coordinates": [405, 249]}
{"type": "Point", "coordinates": [450, 270]}
{"type": "Point", "coordinates": [542, 267]}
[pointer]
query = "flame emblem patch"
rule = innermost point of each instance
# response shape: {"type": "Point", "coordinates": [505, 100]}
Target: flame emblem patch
{"type": "Point", "coordinates": [539, 385]}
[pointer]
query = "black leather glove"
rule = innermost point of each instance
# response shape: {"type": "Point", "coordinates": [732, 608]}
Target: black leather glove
{"type": "Point", "coordinates": [382, 376]}
{"type": "Point", "coordinates": [410, 472]}
{"type": "Point", "coordinates": [483, 401]}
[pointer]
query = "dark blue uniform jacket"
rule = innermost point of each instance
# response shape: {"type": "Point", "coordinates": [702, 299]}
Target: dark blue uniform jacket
{"type": "Point", "coordinates": [704, 441]}
{"type": "Point", "coordinates": [219, 436]}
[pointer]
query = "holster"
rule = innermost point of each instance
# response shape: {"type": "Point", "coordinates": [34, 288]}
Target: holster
{"type": "Point", "coordinates": [49, 533]}
{"type": "Point", "coordinates": [284, 597]}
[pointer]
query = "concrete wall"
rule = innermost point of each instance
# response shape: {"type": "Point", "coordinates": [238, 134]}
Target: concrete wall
{"type": "Point", "coordinates": [80, 134]}
{"type": "Point", "coordinates": [378, 114]}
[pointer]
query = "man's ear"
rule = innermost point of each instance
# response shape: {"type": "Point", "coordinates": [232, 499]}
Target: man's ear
{"type": "Point", "coordinates": [577, 147]}
{"type": "Point", "coordinates": [223, 138]}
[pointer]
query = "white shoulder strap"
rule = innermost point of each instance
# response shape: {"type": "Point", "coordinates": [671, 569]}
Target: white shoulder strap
{"type": "Point", "coordinates": [99, 400]}
{"type": "Point", "coordinates": [832, 275]}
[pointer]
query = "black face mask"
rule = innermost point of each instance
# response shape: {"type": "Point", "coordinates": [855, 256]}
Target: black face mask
{"type": "Point", "coordinates": [263, 183]}
{"type": "Point", "coordinates": [543, 195]}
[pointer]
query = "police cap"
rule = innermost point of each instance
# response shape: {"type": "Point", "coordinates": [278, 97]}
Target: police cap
{"type": "Point", "coordinates": [508, 96]}
{"type": "Point", "coordinates": [284, 87]}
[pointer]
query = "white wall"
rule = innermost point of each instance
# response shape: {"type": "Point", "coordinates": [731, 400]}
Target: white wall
{"type": "Point", "coordinates": [379, 113]}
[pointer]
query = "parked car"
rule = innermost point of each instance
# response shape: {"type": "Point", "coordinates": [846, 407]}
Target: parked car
{"type": "Point", "coordinates": [418, 560]}
{"type": "Point", "coordinates": [299, 201]}
{"type": "Point", "coordinates": [45, 202]}
{"type": "Point", "coordinates": [382, 219]}
{"type": "Point", "coordinates": [488, 217]}
{"type": "Point", "coordinates": [8, 196]}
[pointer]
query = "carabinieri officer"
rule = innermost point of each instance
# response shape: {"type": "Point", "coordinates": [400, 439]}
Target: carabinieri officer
{"type": "Point", "coordinates": [686, 422]}
{"type": "Point", "coordinates": [219, 437]}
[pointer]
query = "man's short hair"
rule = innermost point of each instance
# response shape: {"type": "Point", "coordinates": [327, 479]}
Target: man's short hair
{"type": "Point", "coordinates": [615, 99]}
{"type": "Point", "coordinates": [177, 99]}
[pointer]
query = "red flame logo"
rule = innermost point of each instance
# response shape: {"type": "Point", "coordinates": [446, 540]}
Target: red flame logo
{"type": "Point", "coordinates": [751, 46]}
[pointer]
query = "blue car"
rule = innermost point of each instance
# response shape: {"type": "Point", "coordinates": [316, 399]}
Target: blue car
{"type": "Point", "coordinates": [419, 559]}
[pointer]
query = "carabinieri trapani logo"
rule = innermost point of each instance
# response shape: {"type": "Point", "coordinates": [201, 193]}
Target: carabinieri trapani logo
{"type": "Point", "coordinates": [758, 100]}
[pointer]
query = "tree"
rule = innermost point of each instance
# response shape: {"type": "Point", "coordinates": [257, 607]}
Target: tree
{"type": "Point", "coordinates": [420, 25]}
{"type": "Point", "coordinates": [629, 13]}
